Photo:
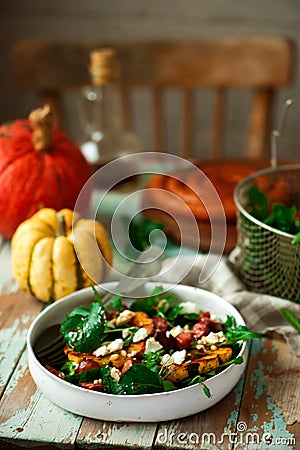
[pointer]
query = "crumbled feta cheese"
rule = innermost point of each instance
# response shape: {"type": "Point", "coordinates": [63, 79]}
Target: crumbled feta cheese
{"type": "Point", "coordinates": [111, 347]}
{"type": "Point", "coordinates": [140, 335]}
{"type": "Point", "coordinates": [167, 360]}
{"type": "Point", "coordinates": [115, 374]}
{"type": "Point", "coordinates": [176, 358]}
{"type": "Point", "coordinates": [189, 308]}
{"type": "Point", "coordinates": [175, 331]}
{"type": "Point", "coordinates": [115, 345]}
{"type": "Point", "coordinates": [152, 346]}
{"type": "Point", "coordinates": [100, 351]}
{"type": "Point", "coordinates": [126, 333]}
{"type": "Point", "coordinates": [124, 317]}
{"type": "Point", "coordinates": [179, 357]}
{"type": "Point", "coordinates": [212, 338]}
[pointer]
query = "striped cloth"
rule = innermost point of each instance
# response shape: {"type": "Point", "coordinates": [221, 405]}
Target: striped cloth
{"type": "Point", "coordinates": [260, 311]}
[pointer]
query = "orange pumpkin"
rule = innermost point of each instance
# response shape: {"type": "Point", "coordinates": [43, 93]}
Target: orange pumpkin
{"type": "Point", "coordinates": [40, 166]}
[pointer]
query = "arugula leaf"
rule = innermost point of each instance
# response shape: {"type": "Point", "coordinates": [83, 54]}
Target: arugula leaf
{"type": "Point", "coordinates": [258, 203]}
{"type": "Point", "coordinates": [174, 313]}
{"type": "Point", "coordinates": [240, 333]}
{"type": "Point", "coordinates": [230, 322]}
{"type": "Point", "coordinates": [146, 305]}
{"type": "Point", "coordinates": [83, 329]}
{"type": "Point", "coordinates": [282, 218]}
{"type": "Point", "coordinates": [152, 360]}
{"type": "Point", "coordinates": [291, 318]}
{"type": "Point", "coordinates": [139, 379]}
{"type": "Point", "coordinates": [206, 390]}
{"type": "Point", "coordinates": [296, 238]}
{"type": "Point", "coordinates": [110, 385]}
{"type": "Point", "coordinates": [116, 303]}
{"type": "Point", "coordinates": [88, 376]}
{"type": "Point", "coordinates": [69, 367]}
{"type": "Point", "coordinates": [154, 304]}
{"type": "Point", "coordinates": [80, 310]}
{"type": "Point", "coordinates": [168, 386]}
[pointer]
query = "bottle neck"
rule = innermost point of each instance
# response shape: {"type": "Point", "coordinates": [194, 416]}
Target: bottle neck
{"type": "Point", "coordinates": [103, 108]}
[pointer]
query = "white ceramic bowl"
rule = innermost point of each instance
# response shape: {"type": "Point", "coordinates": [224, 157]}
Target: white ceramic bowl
{"type": "Point", "coordinates": [137, 408]}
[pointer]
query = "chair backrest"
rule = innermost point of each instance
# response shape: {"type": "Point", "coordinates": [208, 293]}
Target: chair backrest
{"type": "Point", "coordinates": [259, 63]}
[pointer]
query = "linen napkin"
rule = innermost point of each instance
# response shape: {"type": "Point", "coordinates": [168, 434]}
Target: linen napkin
{"type": "Point", "coordinates": [260, 311]}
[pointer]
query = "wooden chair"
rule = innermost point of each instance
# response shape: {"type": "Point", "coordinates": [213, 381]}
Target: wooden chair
{"type": "Point", "coordinates": [261, 64]}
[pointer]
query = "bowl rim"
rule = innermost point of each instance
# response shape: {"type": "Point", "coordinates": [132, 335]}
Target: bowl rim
{"type": "Point", "coordinates": [33, 359]}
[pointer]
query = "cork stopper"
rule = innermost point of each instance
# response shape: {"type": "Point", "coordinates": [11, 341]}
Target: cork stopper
{"type": "Point", "coordinates": [42, 134]}
{"type": "Point", "coordinates": [103, 65]}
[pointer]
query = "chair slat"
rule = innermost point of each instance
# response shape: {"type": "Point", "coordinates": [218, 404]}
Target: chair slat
{"type": "Point", "coordinates": [218, 124]}
{"type": "Point", "coordinates": [187, 149]}
{"type": "Point", "coordinates": [158, 120]}
{"type": "Point", "coordinates": [258, 140]}
{"type": "Point", "coordinates": [262, 64]}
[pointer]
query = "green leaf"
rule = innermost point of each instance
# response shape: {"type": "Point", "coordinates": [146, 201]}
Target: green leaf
{"type": "Point", "coordinates": [150, 305]}
{"type": "Point", "coordinates": [116, 303]}
{"type": "Point", "coordinates": [69, 368]}
{"type": "Point", "coordinates": [291, 318]}
{"type": "Point", "coordinates": [230, 322]}
{"type": "Point", "coordinates": [258, 203]}
{"type": "Point", "coordinates": [174, 313]}
{"type": "Point", "coordinates": [139, 379]}
{"type": "Point", "coordinates": [168, 386]}
{"type": "Point", "coordinates": [296, 239]}
{"type": "Point", "coordinates": [80, 310]}
{"type": "Point", "coordinates": [282, 218]}
{"type": "Point", "coordinates": [89, 376]}
{"type": "Point", "coordinates": [240, 333]}
{"type": "Point", "coordinates": [83, 329]}
{"type": "Point", "coordinates": [206, 390]}
{"type": "Point", "coordinates": [153, 360]}
{"type": "Point", "coordinates": [146, 305]}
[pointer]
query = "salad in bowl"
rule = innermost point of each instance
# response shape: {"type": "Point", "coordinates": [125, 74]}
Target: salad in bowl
{"type": "Point", "coordinates": [185, 345]}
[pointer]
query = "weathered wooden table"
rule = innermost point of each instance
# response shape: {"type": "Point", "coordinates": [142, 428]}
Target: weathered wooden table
{"type": "Point", "coordinates": [261, 412]}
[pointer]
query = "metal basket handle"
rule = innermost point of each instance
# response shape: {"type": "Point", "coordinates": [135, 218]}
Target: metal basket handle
{"type": "Point", "coordinates": [276, 133]}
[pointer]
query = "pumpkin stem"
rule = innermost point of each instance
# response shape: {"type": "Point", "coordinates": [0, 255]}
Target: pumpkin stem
{"type": "Point", "coordinates": [61, 225]}
{"type": "Point", "coordinates": [42, 135]}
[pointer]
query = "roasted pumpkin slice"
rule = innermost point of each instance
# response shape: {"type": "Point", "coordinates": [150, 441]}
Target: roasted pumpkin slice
{"type": "Point", "coordinates": [141, 319]}
{"type": "Point", "coordinates": [192, 368]}
{"type": "Point", "coordinates": [224, 354]}
{"type": "Point", "coordinates": [136, 348]}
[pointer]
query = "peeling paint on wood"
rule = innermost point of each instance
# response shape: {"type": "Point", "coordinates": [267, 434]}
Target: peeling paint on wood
{"type": "Point", "coordinates": [263, 419]}
{"type": "Point", "coordinates": [21, 418]}
{"type": "Point", "coordinates": [120, 435]}
{"type": "Point", "coordinates": [262, 406]}
{"type": "Point", "coordinates": [12, 341]}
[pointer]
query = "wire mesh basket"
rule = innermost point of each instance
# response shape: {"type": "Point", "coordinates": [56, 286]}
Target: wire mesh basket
{"type": "Point", "coordinates": [266, 259]}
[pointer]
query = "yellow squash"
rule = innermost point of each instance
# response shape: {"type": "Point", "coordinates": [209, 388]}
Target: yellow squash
{"type": "Point", "coordinates": [56, 253]}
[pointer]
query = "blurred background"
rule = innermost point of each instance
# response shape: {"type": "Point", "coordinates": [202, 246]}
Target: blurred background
{"type": "Point", "coordinates": [144, 19]}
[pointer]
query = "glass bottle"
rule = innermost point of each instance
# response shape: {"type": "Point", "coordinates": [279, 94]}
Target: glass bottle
{"type": "Point", "coordinates": [105, 138]}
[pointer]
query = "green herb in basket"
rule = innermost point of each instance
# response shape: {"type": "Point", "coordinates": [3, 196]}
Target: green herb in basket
{"type": "Point", "coordinates": [281, 217]}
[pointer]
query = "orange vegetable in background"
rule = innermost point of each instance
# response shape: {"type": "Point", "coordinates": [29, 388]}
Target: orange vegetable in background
{"type": "Point", "coordinates": [40, 166]}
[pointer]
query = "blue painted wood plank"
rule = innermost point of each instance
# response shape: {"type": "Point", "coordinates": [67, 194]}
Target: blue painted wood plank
{"type": "Point", "coordinates": [32, 417]}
